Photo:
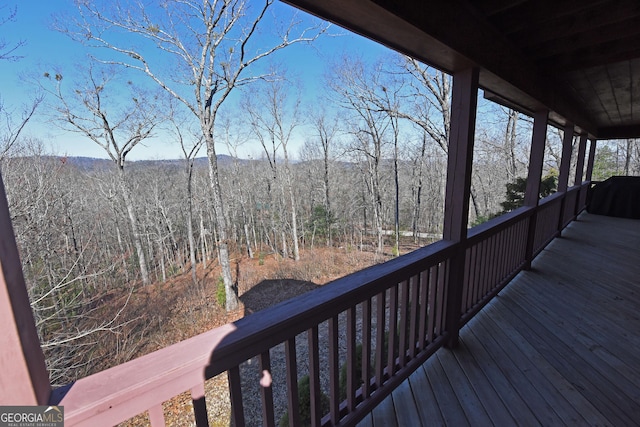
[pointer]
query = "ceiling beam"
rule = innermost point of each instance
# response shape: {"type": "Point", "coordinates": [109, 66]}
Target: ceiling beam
{"type": "Point", "coordinates": [619, 132]}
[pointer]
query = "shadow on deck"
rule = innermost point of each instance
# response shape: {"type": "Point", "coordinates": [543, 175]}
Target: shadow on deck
{"type": "Point", "coordinates": [557, 346]}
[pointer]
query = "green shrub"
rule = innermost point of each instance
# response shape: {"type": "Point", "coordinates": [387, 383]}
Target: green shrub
{"type": "Point", "coordinates": [221, 295]}
{"type": "Point", "coordinates": [343, 374]}
{"type": "Point", "coordinates": [304, 402]}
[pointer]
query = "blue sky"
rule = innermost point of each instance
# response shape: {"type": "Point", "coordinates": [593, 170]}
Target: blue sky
{"type": "Point", "coordinates": [46, 48]}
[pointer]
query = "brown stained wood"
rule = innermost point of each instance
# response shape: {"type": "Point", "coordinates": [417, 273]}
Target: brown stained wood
{"type": "Point", "coordinates": [433, 303]}
{"type": "Point", "coordinates": [558, 346]}
{"type": "Point", "coordinates": [491, 401]}
{"type": "Point", "coordinates": [334, 370]}
{"type": "Point", "coordinates": [351, 359]}
{"type": "Point", "coordinates": [380, 332]}
{"type": "Point", "coordinates": [568, 389]}
{"type": "Point", "coordinates": [314, 376]}
{"type": "Point", "coordinates": [463, 389]}
{"type": "Point", "coordinates": [590, 160]}
{"type": "Point", "coordinates": [25, 379]}
{"type": "Point", "coordinates": [580, 159]}
{"type": "Point", "coordinates": [403, 324]}
{"type": "Point", "coordinates": [404, 405]}
{"type": "Point", "coordinates": [428, 410]}
{"type": "Point", "coordinates": [235, 392]}
{"type": "Point", "coordinates": [506, 391]}
{"type": "Point", "coordinates": [392, 336]}
{"type": "Point", "coordinates": [366, 348]}
{"type": "Point", "coordinates": [367, 421]}
{"type": "Point", "coordinates": [520, 379]}
{"type": "Point", "coordinates": [266, 391]}
{"type": "Point", "coordinates": [414, 315]}
{"type": "Point", "coordinates": [384, 415]}
{"type": "Point", "coordinates": [200, 406]}
{"type": "Point", "coordinates": [292, 382]}
{"type": "Point", "coordinates": [445, 395]}
{"type": "Point", "coordinates": [424, 310]}
{"type": "Point", "coordinates": [528, 361]}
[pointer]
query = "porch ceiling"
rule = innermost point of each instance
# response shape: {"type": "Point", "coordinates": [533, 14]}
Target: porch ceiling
{"type": "Point", "coordinates": [578, 58]}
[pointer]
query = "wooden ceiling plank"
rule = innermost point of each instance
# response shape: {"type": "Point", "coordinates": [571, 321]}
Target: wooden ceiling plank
{"type": "Point", "coordinates": [537, 13]}
{"type": "Point", "coordinates": [634, 84]}
{"type": "Point", "coordinates": [567, 25]}
{"type": "Point", "coordinates": [602, 54]}
{"type": "Point", "coordinates": [590, 37]}
{"type": "Point", "coordinates": [491, 7]}
{"type": "Point", "coordinates": [601, 95]}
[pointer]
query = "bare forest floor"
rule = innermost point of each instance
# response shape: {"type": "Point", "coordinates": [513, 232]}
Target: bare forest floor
{"type": "Point", "coordinates": [164, 313]}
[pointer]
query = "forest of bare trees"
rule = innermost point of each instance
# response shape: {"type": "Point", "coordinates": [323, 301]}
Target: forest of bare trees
{"type": "Point", "coordinates": [358, 167]}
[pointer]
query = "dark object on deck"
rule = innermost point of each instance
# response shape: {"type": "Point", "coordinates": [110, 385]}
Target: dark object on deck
{"type": "Point", "coordinates": [618, 196]}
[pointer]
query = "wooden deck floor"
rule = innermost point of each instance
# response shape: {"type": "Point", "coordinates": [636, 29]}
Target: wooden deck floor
{"type": "Point", "coordinates": [560, 345]}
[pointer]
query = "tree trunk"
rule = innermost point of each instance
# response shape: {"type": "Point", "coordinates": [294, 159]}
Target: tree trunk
{"type": "Point", "coordinates": [231, 290]}
{"type": "Point", "coordinates": [126, 195]}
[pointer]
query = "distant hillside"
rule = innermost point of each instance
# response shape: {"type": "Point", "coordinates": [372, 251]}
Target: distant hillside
{"type": "Point", "coordinates": [91, 163]}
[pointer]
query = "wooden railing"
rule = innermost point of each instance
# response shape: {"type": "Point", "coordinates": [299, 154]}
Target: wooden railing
{"type": "Point", "coordinates": [373, 328]}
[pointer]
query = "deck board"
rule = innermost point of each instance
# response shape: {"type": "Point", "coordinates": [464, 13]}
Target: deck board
{"type": "Point", "coordinates": [558, 346]}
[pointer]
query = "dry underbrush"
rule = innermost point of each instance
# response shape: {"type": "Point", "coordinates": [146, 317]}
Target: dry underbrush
{"type": "Point", "coordinates": [162, 314]}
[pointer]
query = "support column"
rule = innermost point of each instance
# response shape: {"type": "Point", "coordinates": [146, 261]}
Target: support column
{"type": "Point", "coordinates": [532, 192]}
{"type": "Point", "coordinates": [23, 377]}
{"type": "Point", "coordinates": [586, 191]}
{"type": "Point", "coordinates": [591, 160]}
{"type": "Point", "coordinates": [582, 148]}
{"type": "Point", "coordinates": [565, 166]}
{"type": "Point", "coordinates": [458, 190]}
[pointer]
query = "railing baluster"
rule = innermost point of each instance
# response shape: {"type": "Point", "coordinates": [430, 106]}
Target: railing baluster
{"type": "Point", "coordinates": [199, 406]}
{"type": "Point", "coordinates": [366, 348]}
{"type": "Point", "coordinates": [156, 416]}
{"type": "Point", "coordinates": [314, 377]}
{"type": "Point", "coordinates": [433, 302]}
{"type": "Point", "coordinates": [424, 308]}
{"type": "Point", "coordinates": [466, 287]}
{"type": "Point", "coordinates": [415, 313]}
{"type": "Point", "coordinates": [334, 370]}
{"type": "Point", "coordinates": [393, 330]}
{"type": "Point", "coordinates": [403, 323]}
{"type": "Point", "coordinates": [380, 333]}
{"type": "Point", "coordinates": [441, 311]}
{"type": "Point", "coordinates": [266, 390]}
{"type": "Point", "coordinates": [477, 271]}
{"type": "Point", "coordinates": [292, 382]}
{"type": "Point", "coordinates": [235, 392]}
{"type": "Point", "coordinates": [352, 359]}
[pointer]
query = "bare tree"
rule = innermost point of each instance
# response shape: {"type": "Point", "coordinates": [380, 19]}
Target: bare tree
{"type": "Point", "coordinates": [274, 117]}
{"type": "Point", "coordinates": [10, 127]}
{"type": "Point", "coordinates": [116, 127]}
{"type": "Point", "coordinates": [326, 130]}
{"type": "Point", "coordinates": [8, 49]}
{"type": "Point", "coordinates": [360, 92]}
{"type": "Point", "coordinates": [429, 96]}
{"type": "Point", "coordinates": [211, 47]}
{"type": "Point", "coordinates": [190, 144]}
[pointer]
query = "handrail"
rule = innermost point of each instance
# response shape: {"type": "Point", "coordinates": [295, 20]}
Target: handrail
{"type": "Point", "coordinates": [409, 293]}
{"type": "Point", "coordinates": [114, 394]}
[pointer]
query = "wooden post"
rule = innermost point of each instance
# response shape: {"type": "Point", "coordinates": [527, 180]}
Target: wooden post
{"type": "Point", "coordinates": [579, 169]}
{"type": "Point", "coordinates": [582, 148]}
{"type": "Point", "coordinates": [532, 192]}
{"type": "Point", "coordinates": [24, 379]}
{"type": "Point", "coordinates": [565, 165]}
{"type": "Point", "coordinates": [456, 208]}
{"type": "Point", "coordinates": [591, 160]}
